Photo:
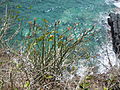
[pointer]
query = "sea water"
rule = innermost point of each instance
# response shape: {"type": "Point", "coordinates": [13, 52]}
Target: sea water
{"type": "Point", "coordinates": [85, 12]}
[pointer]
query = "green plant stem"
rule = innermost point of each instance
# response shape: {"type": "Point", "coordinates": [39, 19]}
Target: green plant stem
{"type": "Point", "coordinates": [43, 51]}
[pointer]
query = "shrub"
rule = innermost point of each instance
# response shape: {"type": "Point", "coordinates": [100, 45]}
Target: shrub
{"type": "Point", "coordinates": [48, 49]}
{"type": "Point", "coordinates": [44, 54]}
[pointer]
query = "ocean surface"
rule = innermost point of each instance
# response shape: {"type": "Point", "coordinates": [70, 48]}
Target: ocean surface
{"type": "Point", "coordinates": [85, 12]}
{"type": "Point", "coordinates": [65, 10]}
{"type": "Point", "coordinates": [68, 11]}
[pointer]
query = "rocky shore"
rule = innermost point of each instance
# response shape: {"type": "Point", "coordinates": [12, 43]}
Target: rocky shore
{"type": "Point", "coordinates": [114, 22]}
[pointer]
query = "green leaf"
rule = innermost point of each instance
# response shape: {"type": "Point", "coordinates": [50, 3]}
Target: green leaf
{"type": "Point", "coordinates": [86, 88]}
{"type": "Point", "coordinates": [87, 56]}
{"type": "Point", "coordinates": [19, 19]}
{"type": "Point", "coordinates": [48, 76]}
{"type": "Point", "coordinates": [54, 31]}
{"type": "Point", "coordinates": [40, 28]}
{"type": "Point", "coordinates": [87, 84]}
{"type": "Point", "coordinates": [60, 37]}
{"type": "Point", "coordinates": [60, 43]}
{"type": "Point", "coordinates": [27, 84]}
{"type": "Point", "coordinates": [51, 38]}
{"type": "Point", "coordinates": [46, 25]}
{"type": "Point", "coordinates": [19, 65]}
{"type": "Point", "coordinates": [46, 34]}
{"type": "Point", "coordinates": [18, 12]}
{"type": "Point", "coordinates": [30, 7]}
{"type": "Point", "coordinates": [40, 38]}
{"type": "Point", "coordinates": [44, 20]}
{"type": "Point", "coordinates": [89, 77]}
{"type": "Point", "coordinates": [1, 82]}
{"type": "Point", "coordinates": [34, 44]}
{"type": "Point", "coordinates": [15, 88]}
{"type": "Point", "coordinates": [105, 88]}
{"type": "Point", "coordinates": [1, 63]}
{"type": "Point", "coordinates": [73, 68]}
{"type": "Point", "coordinates": [81, 86]}
{"type": "Point", "coordinates": [18, 6]}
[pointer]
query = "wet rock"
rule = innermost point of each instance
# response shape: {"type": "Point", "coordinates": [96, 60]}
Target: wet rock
{"type": "Point", "coordinates": [114, 22]}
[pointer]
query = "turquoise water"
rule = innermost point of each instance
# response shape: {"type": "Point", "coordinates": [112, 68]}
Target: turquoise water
{"type": "Point", "coordinates": [87, 12]}
{"type": "Point", "coordinates": [66, 10]}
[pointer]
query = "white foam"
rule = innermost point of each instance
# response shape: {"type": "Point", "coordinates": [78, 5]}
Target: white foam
{"type": "Point", "coordinates": [109, 1]}
{"type": "Point", "coordinates": [117, 4]}
{"type": "Point", "coordinates": [107, 57]}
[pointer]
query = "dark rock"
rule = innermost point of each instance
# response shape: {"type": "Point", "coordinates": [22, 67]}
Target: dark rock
{"type": "Point", "coordinates": [114, 22]}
